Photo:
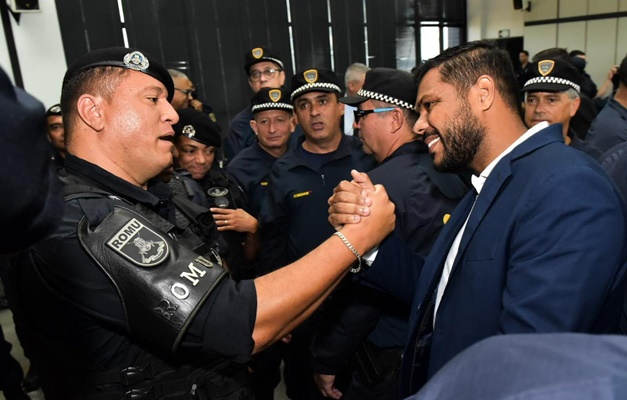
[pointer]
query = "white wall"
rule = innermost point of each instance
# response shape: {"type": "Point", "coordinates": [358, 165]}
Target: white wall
{"type": "Point", "coordinates": [40, 53]}
{"type": "Point", "coordinates": [487, 17]}
{"type": "Point", "coordinates": [604, 41]}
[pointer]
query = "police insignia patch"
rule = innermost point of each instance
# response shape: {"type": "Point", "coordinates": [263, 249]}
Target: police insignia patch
{"type": "Point", "coordinates": [257, 52]}
{"type": "Point", "coordinates": [189, 131]}
{"type": "Point", "coordinates": [136, 61]}
{"type": "Point", "coordinates": [139, 244]}
{"type": "Point", "coordinates": [275, 95]}
{"type": "Point", "coordinates": [311, 75]}
{"type": "Point", "coordinates": [55, 109]}
{"type": "Point", "coordinates": [545, 67]}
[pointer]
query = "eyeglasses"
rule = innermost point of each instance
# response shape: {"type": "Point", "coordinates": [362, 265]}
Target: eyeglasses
{"type": "Point", "coordinates": [268, 73]}
{"type": "Point", "coordinates": [362, 113]}
{"type": "Point", "coordinates": [187, 92]}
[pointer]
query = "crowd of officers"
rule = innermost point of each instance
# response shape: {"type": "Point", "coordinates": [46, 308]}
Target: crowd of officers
{"type": "Point", "coordinates": [282, 158]}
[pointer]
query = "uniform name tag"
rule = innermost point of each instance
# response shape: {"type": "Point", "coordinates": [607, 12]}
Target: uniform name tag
{"type": "Point", "coordinates": [302, 194]}
{"type": "Point", "coordinates": [139, 244]}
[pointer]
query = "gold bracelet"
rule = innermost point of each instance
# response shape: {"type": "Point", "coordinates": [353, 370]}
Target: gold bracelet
{"type": "Point", "coordinates": [351, 248]}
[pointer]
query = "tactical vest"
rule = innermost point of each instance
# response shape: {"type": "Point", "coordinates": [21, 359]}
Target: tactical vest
{"type": "Point", "coordinates": [162, 281]}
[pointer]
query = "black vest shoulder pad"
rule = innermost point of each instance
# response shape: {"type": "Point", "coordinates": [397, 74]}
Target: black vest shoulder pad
{"type": "Point", "coordinates": [161, 283]}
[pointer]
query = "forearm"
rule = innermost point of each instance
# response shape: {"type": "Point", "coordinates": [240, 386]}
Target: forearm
{"type": "Point", "coordinates": [286, 297]}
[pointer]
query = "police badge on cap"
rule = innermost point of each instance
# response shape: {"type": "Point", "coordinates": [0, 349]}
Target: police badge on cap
{"type": "Point", "coordinates": [552, 76]}
{"type": "Point", "coordinates": [270, 99]}
{"type": "Point", "coordinates": [314, 80]}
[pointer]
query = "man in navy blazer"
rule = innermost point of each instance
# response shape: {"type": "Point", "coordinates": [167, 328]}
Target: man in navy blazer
{"type": "Point", "coordinates": [538, 246]}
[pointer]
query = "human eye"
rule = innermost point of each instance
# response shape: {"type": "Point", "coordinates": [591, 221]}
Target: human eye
{"type": "Point", "coordinates": [427, 105]}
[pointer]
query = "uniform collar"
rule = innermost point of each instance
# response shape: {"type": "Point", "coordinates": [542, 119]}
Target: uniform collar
{"type": "Point", "coordinates": [106, 180]}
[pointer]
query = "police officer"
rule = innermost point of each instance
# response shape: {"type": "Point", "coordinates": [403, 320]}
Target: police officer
{"type": "Point", "coordinates": [264, 68]}
{"type": "Point", "coordinates": [197, 138]}
{"type": "Point", "coordinates": [552, 94]}
{"type": "Point", "coordinates": [365, 324]}
{"type": "Point", "coordinates": [56, 133]}
{"type": "Point", "coordinates": [300, 184]}
{"type": "Point", "coordinates": [123, 300]}
{"type": "Point", "coordinates": [273, 123]}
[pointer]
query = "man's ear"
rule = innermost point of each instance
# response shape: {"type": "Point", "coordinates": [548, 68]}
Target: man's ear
{"type": "Point", "coordinates": [484, 91]}
{"type": "Point", "coordinates": [90, 111]}
{"type": "Point", "coordinates": [253, 126]}
{"type": "Point", "coordinates": [398, 119]}
{"type": "Point", "coordinates": [574, 106]}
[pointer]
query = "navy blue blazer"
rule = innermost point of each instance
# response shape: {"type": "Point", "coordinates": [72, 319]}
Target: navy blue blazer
{"type": "Point", "coordinates": [543, 251]}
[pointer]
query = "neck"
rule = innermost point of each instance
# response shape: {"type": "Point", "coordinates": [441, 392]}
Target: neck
{"type": "Point", "coordinates": [621, 95]}
{"type": "Point", "coordinates": [324, 146]}
{"type": "Point", "coordinates": [498, 137]}
{"type": "Point", "coordinates": [567, 139]}
{"type": "Point", "coordinates": [94, 155]}
{"type": "Point", "coordinates": [275, 152]}
{"type": "Point", "coordinates": [400, 140]}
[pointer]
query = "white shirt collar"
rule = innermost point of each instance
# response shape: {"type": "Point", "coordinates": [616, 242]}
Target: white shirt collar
{"type": "Point", "coordinates": [478, 181]}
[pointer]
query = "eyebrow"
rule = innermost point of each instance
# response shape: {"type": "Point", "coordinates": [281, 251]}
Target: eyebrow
{"type": "Point", "coordinates": [158, 89]}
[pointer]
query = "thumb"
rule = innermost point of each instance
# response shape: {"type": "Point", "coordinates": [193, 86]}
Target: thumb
{"type": "Point", "coordinates": [362, 179]}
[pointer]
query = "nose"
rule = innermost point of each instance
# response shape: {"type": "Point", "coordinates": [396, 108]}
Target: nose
{"type": "Point", "coordinates": [169, 114]}
{"type": "Point", "coordinates": [421, 124]}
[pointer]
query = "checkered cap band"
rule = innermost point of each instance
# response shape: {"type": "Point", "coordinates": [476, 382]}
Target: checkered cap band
{"type": "Point", "coordinates": [316, 85]}
{"type": "Point", "coordinates": [272, 106]}
{"type": "Point", "coordinates": [384, 98]}
{"type": "Point", "coordinates": [553, 80]}
{"type": "Point", "coordinates": [274, 60]}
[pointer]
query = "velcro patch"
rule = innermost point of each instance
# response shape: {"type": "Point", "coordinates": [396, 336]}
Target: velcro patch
{"type": "Point", "coordinates": [139, 244]}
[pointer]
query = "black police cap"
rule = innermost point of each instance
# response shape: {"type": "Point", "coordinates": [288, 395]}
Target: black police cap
{"type": "Point", "coordinates": [314, 80]}
{"type": "Point", "coordinates": [552, 76]}
{"type": "Point", "coordinates": [54, 110]}
{"type": "Point", "coordinates": [124, 58]}
{"type": "Point", "coordinates": [387, 85]}
{"type": "Point", "coordinates": [271, 99]}
{"type": "Point", "coordinates": [197, 126]}
{"type": "Point", "coordinates": [260, 54]}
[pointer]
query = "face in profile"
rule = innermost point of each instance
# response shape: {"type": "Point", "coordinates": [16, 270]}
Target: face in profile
{"type": "Point", "coordinates": [449, 128]}
{"type": "Point", "coordinates": [194, 157]}
{"type": "Point", "coordinates": [137, 134]}
{"type": "Point", "coordinates": [182, 93]}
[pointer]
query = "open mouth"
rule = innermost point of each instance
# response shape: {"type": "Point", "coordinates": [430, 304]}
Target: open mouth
{"type": "Point", "coordinates": [168, 138]}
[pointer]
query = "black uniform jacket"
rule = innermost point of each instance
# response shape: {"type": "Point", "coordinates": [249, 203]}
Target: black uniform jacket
{"type": "Point", "coordinates": [295, 221]}
{"type": "Point", "coordinates": [75, 317]}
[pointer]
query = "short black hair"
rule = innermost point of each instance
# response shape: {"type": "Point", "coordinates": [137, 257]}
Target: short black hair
{"type": "Point", "coordinates": [102, 81]}
{"type": "Point", "coordinates": [526, 52]}
{"type": "Point", "coordinates": [575, 53]}
{"type": "Point", "coordinates": [461, 66]}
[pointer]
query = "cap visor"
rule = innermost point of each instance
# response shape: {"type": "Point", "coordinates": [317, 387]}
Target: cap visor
{"type": "Point", "coordinates": [353, 100]}
{"type": "Point", "coordinates": [546, 87]}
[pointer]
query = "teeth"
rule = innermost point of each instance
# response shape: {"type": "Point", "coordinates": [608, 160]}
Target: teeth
{"type": "Point", "coordinates": [434, 141]}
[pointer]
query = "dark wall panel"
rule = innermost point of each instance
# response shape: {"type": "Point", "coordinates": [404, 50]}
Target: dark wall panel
{"type": "Point", "coordinates": [348, 34]}
{"type": "Point", "coordinates": [88, 25]}
{"type": "Point", "coordinates": [311, 34]}
{"type": "Point", "coordinates": [382, 33]}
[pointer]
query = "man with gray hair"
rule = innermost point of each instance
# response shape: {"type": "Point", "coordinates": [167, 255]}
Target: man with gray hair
{"type": "Point", "coordinates": [552, 94]}
{"type": "Point", "coordinates": [353, 79]}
